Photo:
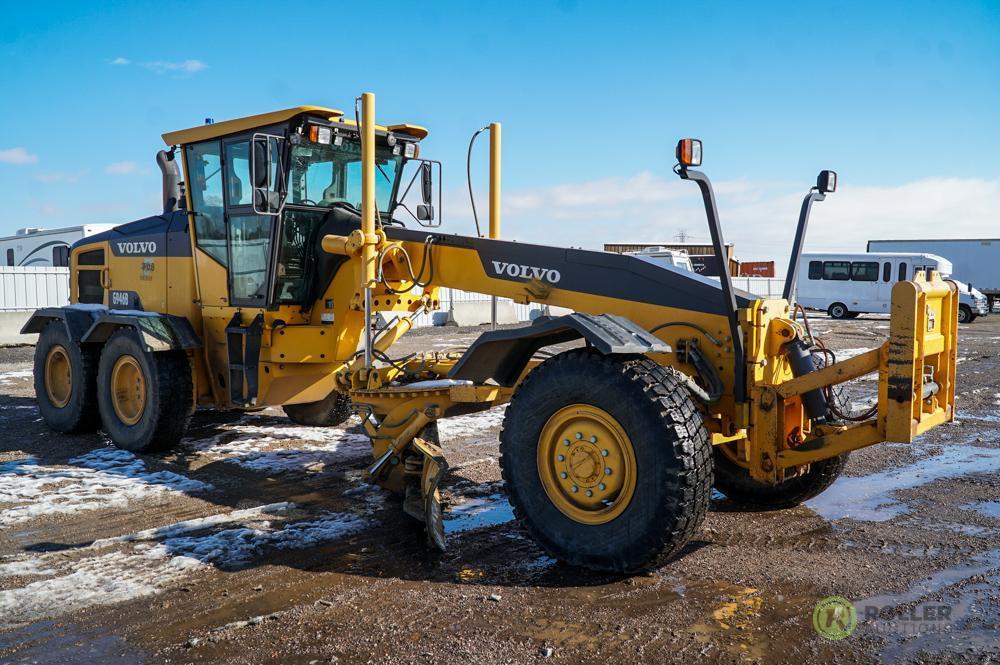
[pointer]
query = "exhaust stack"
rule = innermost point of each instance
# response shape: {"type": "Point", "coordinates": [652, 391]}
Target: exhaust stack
{"type": "Point", "coordinates": [173, 194]}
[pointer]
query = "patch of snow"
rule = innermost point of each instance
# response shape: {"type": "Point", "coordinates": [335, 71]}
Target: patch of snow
{"type": "Point", "coordinates": [24, 567]}
{"type": "Point", "coordinates": [104, 478]}
{"type": "Point", "coordinates": [157, 558]}
{"type": "Point", "coordinates": [472, 424]}
{"type": "Point", "coordinates": [10, 377]}
{"type": "Point", "coordinates": [254, 444]}
{"type": "Point", "coordinates": [873, 498]}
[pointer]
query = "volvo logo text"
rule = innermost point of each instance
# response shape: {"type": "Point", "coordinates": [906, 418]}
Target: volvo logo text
{"type": "Point", "coordinates": [145, 247]}
{"type": "Point", "coordinates": [550, 275]}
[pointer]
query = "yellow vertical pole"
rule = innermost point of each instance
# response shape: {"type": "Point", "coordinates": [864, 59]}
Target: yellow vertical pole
{"type": "Point", "coordinates": [494, 201]}
{"type": "Point", "coordinates": [368, 189]}
{"type": "Point", "coordinates": [495, 180]}
{"type": "Point", "coordinates": [368, 214]}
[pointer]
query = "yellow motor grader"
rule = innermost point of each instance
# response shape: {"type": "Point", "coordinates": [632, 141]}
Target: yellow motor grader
{"type": "Point", "coordinates": [284, 235]}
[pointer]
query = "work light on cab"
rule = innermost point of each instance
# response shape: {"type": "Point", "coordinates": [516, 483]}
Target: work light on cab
{"type": "Point", "coordinates": [319, 134]}
{"type": "Point", "coordinates": [689, 152]}
{"type": "Point", "coordinates": [826, 182]}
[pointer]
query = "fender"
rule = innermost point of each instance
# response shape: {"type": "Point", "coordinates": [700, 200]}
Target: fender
{"type": "Point", "coordinates": [500, 356]}
{"type": "Point", "coordinates": [94, 324]}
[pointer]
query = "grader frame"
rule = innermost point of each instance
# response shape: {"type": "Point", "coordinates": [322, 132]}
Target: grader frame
{"type": "Point", "coordinates": [716, 364]}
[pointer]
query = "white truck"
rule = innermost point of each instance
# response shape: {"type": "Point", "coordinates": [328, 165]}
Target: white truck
{"type": "Point", "coordinates": [976, 260]}
{"type": "Point", "coordinates": [846, 285]}
{"type": "Point", "coordinates": [32, 247]}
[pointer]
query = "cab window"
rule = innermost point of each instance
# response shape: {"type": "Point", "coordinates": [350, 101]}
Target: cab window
{"type": "Point", "coordinates": [250, 251]}
{"type": "Point", "coordinates": [238, 188]}
{"type": "Point", "coordinates": [204, 163]}
{"type": "Point", "coordinates": [815, 270]}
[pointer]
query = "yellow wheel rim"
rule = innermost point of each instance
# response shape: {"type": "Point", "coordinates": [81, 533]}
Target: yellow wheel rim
{"type": "Point", "coordinates": [586, 464]}
{"type": "Point", "coordinates": [128, 390]}
{"type": "Point", "coordinates": [58, 376]}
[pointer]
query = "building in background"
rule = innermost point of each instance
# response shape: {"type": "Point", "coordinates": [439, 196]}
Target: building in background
{"type": "Point", "coordinates": [41, 248]}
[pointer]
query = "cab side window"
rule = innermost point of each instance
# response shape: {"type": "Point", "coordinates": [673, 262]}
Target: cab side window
{"type": "Point", "coordinates": [239, 190]}
{"type": "Point", "coordinates": [204, 163]}
{"type": "Point", "coordinates": [815, 270]}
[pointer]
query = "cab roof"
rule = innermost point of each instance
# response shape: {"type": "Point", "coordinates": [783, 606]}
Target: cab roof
{"type": "Point", "coordinates": [226, 127]}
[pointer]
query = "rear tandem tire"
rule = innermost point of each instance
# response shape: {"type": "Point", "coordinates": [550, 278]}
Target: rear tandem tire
{"type": "Point", "coordinates": [735, 482]}
{"type": "Point", "coordinates": [656, 476]}
{"type": "Point", "coordinates": [145, 398]}
{"type": "Point", "coordinates": [71, 404]}
{"type": "Point", "coordinates": [333, 409]}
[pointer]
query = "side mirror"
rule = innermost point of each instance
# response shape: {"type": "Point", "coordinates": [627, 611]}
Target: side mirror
{"type": "Point", "coordinates": [425, 212]}
{"type": "Point", "coordinates": [826, 182]}
{"type": "Point", "coordinates": [427, 185]}
{"type": "Point", "coordinates": [267, 172]}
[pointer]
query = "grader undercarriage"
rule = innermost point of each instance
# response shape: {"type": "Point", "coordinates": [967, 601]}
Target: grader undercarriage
{"type": "Point", "coordinates": [259, 284]}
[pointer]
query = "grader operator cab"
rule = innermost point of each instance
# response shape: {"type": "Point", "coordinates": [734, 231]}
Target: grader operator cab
{"type": "Point", "coordinates": [284, 234]}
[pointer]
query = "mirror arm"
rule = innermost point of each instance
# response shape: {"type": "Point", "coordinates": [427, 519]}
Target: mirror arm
{"type": "Point", "coordinates": [800, 238]}
{"type": "Point", "coordinates": [728, 295]}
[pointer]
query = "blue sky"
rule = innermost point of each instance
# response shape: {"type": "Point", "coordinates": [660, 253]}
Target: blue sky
{"type": "Point", "coordinates": [901, 98]}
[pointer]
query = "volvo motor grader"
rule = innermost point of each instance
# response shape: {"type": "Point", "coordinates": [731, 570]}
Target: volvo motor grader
{"type": "Point", "coordinates": [282, 237]}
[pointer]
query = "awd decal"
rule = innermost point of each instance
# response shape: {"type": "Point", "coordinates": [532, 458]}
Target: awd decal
{"type": "Point", "coordinates": [136, 248]}
{"type": "Point", "coordinates": [550, 275]}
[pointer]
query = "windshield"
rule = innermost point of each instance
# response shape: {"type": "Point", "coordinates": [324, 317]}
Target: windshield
{"type": "Point", "coordinates": [322, 175]}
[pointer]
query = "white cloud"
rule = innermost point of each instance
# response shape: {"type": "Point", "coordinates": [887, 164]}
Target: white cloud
{"type": "Point", "coordinates": [17, 156]}
{"type": "Point", "coordinates": [758, 217]}
{"type": "Point", "coordinates": [121, 61]}
{"type": "Point", "coordinates": [182, 67]}
{"type": "Point", "coordinates": [121, 168]}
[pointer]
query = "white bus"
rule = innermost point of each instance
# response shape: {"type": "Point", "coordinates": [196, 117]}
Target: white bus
{"type": "Point", "coordinates": [846, 285]}
{"type": "Point", "coordinates": [44, 247]}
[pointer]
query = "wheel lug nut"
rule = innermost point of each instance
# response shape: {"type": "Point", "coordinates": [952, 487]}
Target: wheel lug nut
{"type": "Point", "coordinates": [575, 488]}
{"type": "Point", "coordinates": [607, 471]}
{"type": "Point", "coordinates": [602, 487]}
{"type": "Point", "coordinates": [579, 435]}
{"type": "Point", "coordinates": [589, 493]}
{"type": "Point", "coordinates": [565, 442]}
{"type": "Point", "coordinates": [605, 453]}
{"type": "Point", "coordinates": [564, 475]}
{"type": "Point", "coordinates": [562, 458]}
{"type": "Point", "coordinates": [593, 439]}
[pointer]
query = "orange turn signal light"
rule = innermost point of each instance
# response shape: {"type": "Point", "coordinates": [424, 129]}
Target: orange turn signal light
{"type": "Point", "coordinates": [689, 152]}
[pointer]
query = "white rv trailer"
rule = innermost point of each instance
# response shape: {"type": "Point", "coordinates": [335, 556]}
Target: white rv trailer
{"type": "Point", "coordinates": [38, 248]}
{"type": "Point", "coordinates": [846, 285]}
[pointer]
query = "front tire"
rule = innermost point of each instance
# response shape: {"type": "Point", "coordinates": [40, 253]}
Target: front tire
{"type": "Point", "coordinates": [66, 381]}
{"type": "Point", "coordinates": [333, 409]}
{"type": "Point", "coordinates": [606, 460]}
{"type": "Point", "coordinates": [965, 314]}
{"type": "Point", "coordinates": [145, 398]}
{"type": "Point", "coordinates": [838, 310]}
{"type": "Point", "coordinates": [736, 483]}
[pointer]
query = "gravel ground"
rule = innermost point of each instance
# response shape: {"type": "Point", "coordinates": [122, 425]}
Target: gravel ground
{"type": "Point", "coordinates": [257, 541]}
